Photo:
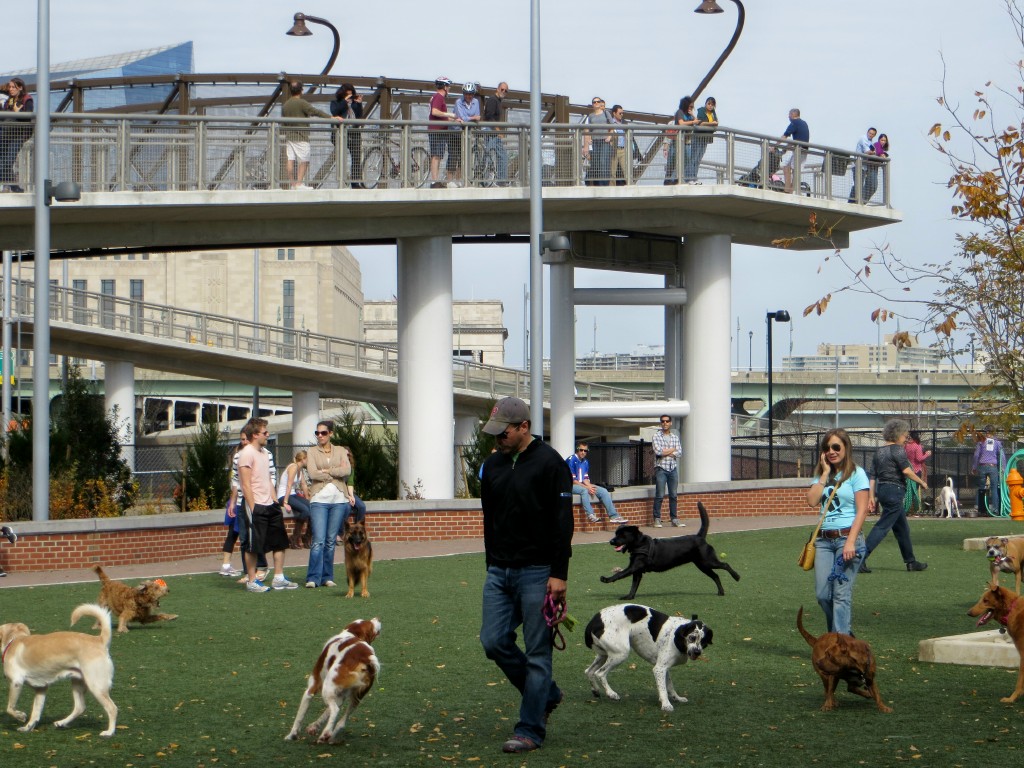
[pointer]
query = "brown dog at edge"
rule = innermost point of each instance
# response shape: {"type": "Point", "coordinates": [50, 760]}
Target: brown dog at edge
{"type": "Point", "coordinates": [1007, 608]}
{"type": "Point", "coordinates": [836, 657]}
{"type": "Point", "coordinates": [132, 603]}
{"type": "Point", "coordinates": [358, 557]}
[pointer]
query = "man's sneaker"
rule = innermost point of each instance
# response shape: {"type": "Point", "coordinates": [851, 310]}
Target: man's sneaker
{"type": "Point", "coordinates": [436, 185]}
{"type": "Point", "coordinates": [329, 583]}
{"type": "Point", "coordinates": [257, 586]}
{"type": "Point", "coordinates": [7, 531]}
{"type": "Point", "coordinates": [591, 518]}
{"type": "Point", "coordinates": [310, 585]}
{"type": "Point", "coordinates": [657, 524]}
{"type": "Point", "coordinates": [618, 520]}
{"type": "Point", "coordinates": [227, 570]}
{"type": "Point", "coordinates": [2, 573]}
{"type": "Point", "coordinates": [302, 188]}
{"type": "Point", "coordinates": [283, 583]}
{"type": "Point", "coordinates": [678, 523]}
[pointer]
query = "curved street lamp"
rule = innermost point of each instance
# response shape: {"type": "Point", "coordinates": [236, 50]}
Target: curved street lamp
{"type": "Point", "coordinates": [299, 29]}
{"type": "Point", "coordinates": [710, 6]}
{"type": "Point", "coordinates": [779, 316]}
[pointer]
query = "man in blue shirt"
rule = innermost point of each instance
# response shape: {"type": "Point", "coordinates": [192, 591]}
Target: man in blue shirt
{"type": "Point", "coordinates": [579, 465]}
{"type": "Point", "coordinates": [797, 131]}
{"type": "Point", "coordinates": [869, 176]}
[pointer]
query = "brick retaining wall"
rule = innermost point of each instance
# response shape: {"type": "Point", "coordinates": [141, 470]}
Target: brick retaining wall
{"type": "Point", "coordinates": [67, 544]}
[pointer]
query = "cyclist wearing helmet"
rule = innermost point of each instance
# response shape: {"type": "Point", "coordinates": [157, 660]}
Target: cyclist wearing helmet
{"type": "Point", "coordinates": [467, 110]}
{"type": "Point", "coordinates": [440, 139]}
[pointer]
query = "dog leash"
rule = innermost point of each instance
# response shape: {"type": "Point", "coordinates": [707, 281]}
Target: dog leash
{"type": "Point", "coordinates": [555, 613]}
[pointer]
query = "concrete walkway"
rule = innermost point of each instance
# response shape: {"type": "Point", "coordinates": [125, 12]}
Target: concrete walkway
{"type": "Point", "coordinates": [382, 551]}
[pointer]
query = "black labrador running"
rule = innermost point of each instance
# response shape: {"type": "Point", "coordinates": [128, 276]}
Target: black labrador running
{"type": "Point", "coordinates": [647, 554]}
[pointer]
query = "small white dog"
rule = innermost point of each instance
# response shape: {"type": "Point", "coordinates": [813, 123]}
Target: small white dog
{"type": "Point", "coordinates": [41, 660]}
{"type": "Point", "coordinates": [658, 638]}
{"type": "Point", "coordinates": [947, 498]}
{"type": "Point", "coordinates": [343, 674]}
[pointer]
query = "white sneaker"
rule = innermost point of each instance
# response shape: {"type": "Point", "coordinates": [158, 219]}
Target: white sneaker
{"type": "Point", "coordinates": [227, 570]}
{"type": "Point", "coordinates": [283, 583]}
{"type": "Point", "coordinates": [330, 584]}
{"type": "Point", "coordinates": [302, 188]}
{"type": "Point", "coordinates": [256, 586]}
{"type": "Point", "coordinates": [678, 523]}
{"type": "Point", "coordinates": [454, 184]}
{"type": "Point", "coordinates": [657, 524]}
{"type": "Point", "coordinates": [310, 585]}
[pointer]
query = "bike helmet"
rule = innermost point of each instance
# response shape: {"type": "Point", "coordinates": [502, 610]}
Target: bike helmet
{"type": "Point", "coordinates": [442, 81]}
{"type": "Point", "coordinates": [469, 87]}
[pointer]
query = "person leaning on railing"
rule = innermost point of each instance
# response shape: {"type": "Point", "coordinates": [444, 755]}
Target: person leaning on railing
{"type": "Point", "coordinates": [14, 132]}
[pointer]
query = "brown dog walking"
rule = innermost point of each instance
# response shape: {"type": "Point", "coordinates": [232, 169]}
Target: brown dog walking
{"type": "Point", "coordinates": [836, 657]}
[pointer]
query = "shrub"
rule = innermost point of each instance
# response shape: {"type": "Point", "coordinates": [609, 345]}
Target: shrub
{"type": "Point", "coordinates": [205, 480]}
{"type": "Point", "coordinates": [376, 456]}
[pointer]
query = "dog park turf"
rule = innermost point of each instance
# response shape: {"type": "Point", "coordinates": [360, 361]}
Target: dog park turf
{"type": "Point", "coordinates": [220, 686]}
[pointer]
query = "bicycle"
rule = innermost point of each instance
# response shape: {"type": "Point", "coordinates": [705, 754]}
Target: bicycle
{"type": "Point", "coordinates": [380, 163]}
{"type": "Point", "coordinates": [485, 163]}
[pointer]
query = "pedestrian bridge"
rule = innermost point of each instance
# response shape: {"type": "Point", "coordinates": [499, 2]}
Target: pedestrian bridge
{"type": "Point", "coordinates": [209, 177]}
{"type": "Point", "coordinates": [158, 337]}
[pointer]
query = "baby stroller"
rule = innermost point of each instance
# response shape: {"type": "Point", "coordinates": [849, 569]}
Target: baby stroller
{"type": "Point", "coordinates": [775, 182]}
{"type": "Point", "coordinates": [753, 177]}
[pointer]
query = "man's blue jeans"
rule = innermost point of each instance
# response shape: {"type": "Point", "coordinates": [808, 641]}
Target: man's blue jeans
{"type": "Point", "coordinates": [326, 520]}
{"type": "Point", "coordinates": [602, 496]}
{"type": "Point", "coordinates": [665, 481]}
{"type": "Point", "coordinates": [991, 471]}
{"type": "Point", "coordinates": [495, 144]}
{"type": "Point", "coordinates": [835, 597]}
{"type": "Point", "coordinates": [893, 517]}
{"type": "Point", "coordinates": [514, 597]}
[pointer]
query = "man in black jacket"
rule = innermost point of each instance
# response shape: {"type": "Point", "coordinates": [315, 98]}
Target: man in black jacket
{"type": "Point", "coordinates": [526, 495]}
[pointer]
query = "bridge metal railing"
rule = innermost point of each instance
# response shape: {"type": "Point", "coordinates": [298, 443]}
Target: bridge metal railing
{"type": "Point", "coordinates": [148, 152]}
{"type": "Point", "coordinates": [106, 312]}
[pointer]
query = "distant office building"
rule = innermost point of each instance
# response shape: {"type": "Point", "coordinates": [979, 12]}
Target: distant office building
{"type": "Point", "coordinates": [168, 60]}
{"type": "Point", "coordinates": [870, 357]}
{"type": "Point", "coordinates": [644, 357]}
{"type": "Point", "coordinates": [478, 334]}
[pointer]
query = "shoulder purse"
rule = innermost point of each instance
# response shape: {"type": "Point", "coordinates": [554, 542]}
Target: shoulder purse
{"type": "Point", "coordinates": [806, 559]}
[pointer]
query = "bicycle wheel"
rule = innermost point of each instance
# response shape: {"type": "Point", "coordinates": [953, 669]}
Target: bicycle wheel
{"type": "Point", "coordinates": [419, 167]}
{"type": "Point", "coordinates": [488, 169]}
{"type": "Point", "coordinates": [373, 168]}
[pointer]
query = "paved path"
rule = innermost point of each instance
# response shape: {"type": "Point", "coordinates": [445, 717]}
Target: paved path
{"type": "Point", "coordinates": [383, 550]}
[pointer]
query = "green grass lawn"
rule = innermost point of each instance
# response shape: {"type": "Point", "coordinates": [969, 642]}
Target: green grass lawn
{"type": "Point", "coordinates": [220, 685]}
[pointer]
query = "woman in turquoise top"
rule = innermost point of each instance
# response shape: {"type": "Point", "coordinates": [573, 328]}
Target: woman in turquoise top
{"type": "Point", "coordinates": [839, 547]}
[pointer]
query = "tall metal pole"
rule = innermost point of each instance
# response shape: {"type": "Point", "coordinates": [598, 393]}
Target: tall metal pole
{"type": "Point", "coordinates": [837, 388]}
{"type": "Point", "coordinates": [8, 365]}
{"type": "Point", "coordinates": [536, 228]}
{"type": "Point", "coordinates": [41, 331]}
{"type": "Point", "coordinates": [256, 321]}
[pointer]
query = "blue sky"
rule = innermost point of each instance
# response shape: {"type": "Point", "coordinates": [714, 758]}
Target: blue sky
{"type": "Point", "coordinates": [846, 65]}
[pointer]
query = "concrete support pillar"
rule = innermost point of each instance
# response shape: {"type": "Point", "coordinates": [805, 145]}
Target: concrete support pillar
{"type": "Point", "coordinates": [305, 415]}
{"type": "Point", "coordinates": [705, 355]}
{"type": "Point", "coordinates": [563, 359]}
{"type": "Point", "coordinates": [425, 397]}
{"type": "Point", "coordinates": [119, 393]}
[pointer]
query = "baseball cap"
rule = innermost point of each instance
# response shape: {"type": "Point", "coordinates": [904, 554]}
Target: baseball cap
{"type": "Point", "coordinates": [508, 410]}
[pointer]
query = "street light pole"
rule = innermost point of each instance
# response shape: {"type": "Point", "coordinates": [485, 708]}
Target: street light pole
{"type": "Point", "coordinates": [299, 29]}
{"type": "Point", "coordinates": [837, 387]}
{"type": "Point", "coordinates": [710, 6]}
{"type": "Point", "coordinates": [779, 316]}
{"type": "Point", "coordinates": [536, 230]}
{"type": "Point", "coordinates": [750, 350]}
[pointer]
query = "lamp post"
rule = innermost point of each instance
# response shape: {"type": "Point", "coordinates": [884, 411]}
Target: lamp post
{"type": "Point", "coordinates": [536, 231]}
{"type": "Point", "coordinates": [299, 29]}
{"type": "Point", "coordinates": [710, 6]}
{"type": "Point", "coordinates": [750, 350]}
{"type": "Point", "coordinates": [779, 316]}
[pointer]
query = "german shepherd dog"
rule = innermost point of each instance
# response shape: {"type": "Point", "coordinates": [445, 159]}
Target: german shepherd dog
{"type": "Point", "coordinates": [650, 555]}
{"type": "Point", "coordinates": [358, 557]}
